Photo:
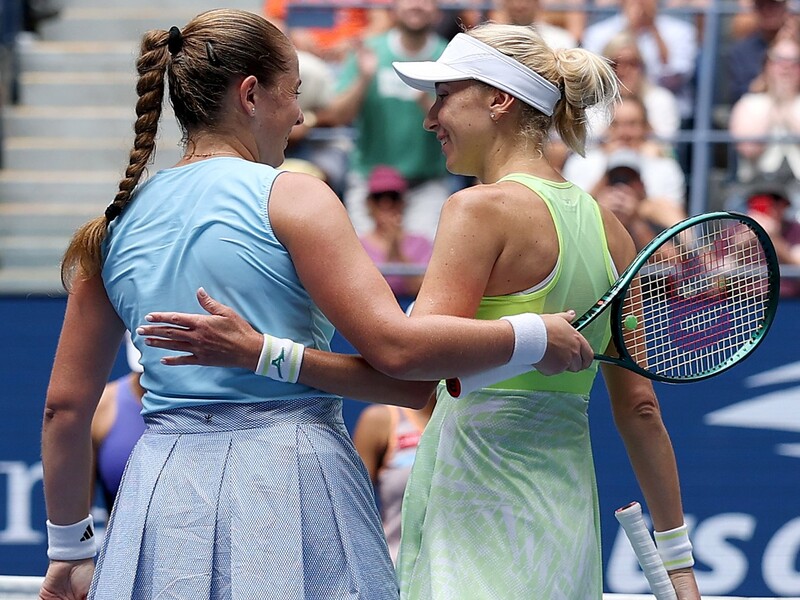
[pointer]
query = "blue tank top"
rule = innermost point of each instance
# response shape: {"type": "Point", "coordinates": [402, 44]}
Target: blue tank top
{"type": "Point", "coordinates": [207, 224]}
{"type": "Point", "coordinates": [113, 453]}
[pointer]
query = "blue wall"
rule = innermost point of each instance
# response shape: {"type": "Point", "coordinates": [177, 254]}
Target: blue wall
{"type": "Point", "coordinates": [737, 438]}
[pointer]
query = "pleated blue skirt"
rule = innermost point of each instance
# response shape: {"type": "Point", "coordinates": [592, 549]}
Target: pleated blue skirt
{"type": "Point", "coordinates": [265, 501]}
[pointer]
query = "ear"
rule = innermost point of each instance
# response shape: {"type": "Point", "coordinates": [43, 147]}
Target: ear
{"type": "Point", "coordinates": [248, 90]}
{"type": "Point", "coordinates": [501, 102]}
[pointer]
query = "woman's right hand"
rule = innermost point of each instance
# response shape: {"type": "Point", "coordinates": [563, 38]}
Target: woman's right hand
{"type": "Point", "coordinates": [67, 580]}
{"type": "Point", "coordinates": [567, 350]}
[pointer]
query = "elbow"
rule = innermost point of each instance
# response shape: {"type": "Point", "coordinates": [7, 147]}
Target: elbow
{"type": "Point", "coordinates": [398, 361]}
{"type": "Point", "coordinates": [62, 409]}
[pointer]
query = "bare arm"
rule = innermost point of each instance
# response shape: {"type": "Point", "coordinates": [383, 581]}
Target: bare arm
{"type": "Point", "coordinates": [224, 339]}
{"type": "Point", "coordinates": [344, 108]}
{"type": "Point", "coordinates": [360, 304]}
{"type": "Point", "coordinates": [80, 372]}
{"type": "Point", "coordinates": [371, 437]}
{"type": "Point", "coordinates": [637, 416]}
{"type": "Point", "coordinates": [638, 419]}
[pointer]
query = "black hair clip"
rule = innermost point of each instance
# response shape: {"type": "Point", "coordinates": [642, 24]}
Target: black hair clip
{"type": "Point", "coordinates": [212, 55]}
{"type": "Point", "coordinates": [112, 212]}
{"type": "Point", "coordinates": [175, 40]}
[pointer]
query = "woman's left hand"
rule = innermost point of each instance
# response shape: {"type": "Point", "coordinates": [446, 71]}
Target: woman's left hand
{"type": "Point", "coordinates": [220, 339]}
{"type": "Point", "coordinates": [67, 580]}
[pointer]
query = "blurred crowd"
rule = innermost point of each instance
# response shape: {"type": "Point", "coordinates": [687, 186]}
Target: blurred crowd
{"type": "Point", "coordinates": [361, 117]}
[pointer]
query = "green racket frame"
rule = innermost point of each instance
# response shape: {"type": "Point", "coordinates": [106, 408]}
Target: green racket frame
{"type": "Point", "coordinates": [616, 295]}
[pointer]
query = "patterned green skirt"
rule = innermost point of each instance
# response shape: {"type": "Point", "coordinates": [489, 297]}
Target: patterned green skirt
{"type": "Point", "coordinates": [502, 501]}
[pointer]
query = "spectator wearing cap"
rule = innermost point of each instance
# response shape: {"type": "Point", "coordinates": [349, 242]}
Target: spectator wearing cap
{"type": "Point", "coordinates": [622, 191]}
{"type": "Point", "coordinates": [769, 203]}
{"type": "Point", "coordinates": [629, 131]}
{"type": "Point", "coordinates": [388, 243]}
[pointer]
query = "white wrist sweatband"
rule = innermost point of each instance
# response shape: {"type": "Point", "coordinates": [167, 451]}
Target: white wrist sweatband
{"type": "Point", "coordinates": [71, 542]}
{"type": "Point", "coordinates": [280, 359]}
{"type": "Point", "coordinates": [530, 338]}
{"type": "Point", "coordinates": [675, 548]}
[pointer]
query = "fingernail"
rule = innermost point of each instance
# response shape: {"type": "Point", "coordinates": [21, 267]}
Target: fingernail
{"type": "Point", "coordinates": [140, 330]}
{"type": "Point", "coordinates": [202, 292]}
{"type": "Point", "coordinates": [148, 317]}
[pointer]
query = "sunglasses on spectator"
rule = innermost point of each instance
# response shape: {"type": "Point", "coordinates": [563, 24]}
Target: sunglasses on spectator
{"type": "Point", "coordinates": [390, 195]}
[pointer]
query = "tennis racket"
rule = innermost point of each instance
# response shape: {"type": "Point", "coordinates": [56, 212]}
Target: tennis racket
{"type": "Point", "coordinates": [630, 517]}
{"type": "Point", "coordinates": [699, 298]}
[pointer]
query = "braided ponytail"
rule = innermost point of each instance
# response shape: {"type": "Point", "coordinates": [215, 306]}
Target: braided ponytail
{"type": "Point", "coordinates": [199, 62]}
{"type": "Point", "coordinates": [84, 254]}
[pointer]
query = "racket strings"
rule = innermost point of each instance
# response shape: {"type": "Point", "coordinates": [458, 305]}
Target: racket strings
{"type": "Point", "coordinates": [699, 301]}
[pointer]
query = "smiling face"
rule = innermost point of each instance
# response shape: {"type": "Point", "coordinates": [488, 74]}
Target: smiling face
{"type": "Point", "coordinates": [461, 120]}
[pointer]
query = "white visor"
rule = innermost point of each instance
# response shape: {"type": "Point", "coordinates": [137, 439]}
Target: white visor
{"type": "Point", "coordinates": [466, 57]}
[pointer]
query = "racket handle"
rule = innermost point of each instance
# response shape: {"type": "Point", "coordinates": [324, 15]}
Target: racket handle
{"type": "Point", "coordinates": [458, 387]}
{"type": "Point", "coordinates": [630, 517]}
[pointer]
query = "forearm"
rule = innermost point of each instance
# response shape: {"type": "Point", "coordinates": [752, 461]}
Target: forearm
{"type": "Point", "coordinates": [66, 460]}
{"type": "Point", "coordinates": [346, 106]}
{"type": "Point", "coordinates": [435, 347]}
{"type": "Point", "coordinates": [653, 460]}
{"type": "Point", "coordinates": [421, 349]}
{"type": "Point", "coordinates": [352, 377]}
{"type": "Point", "coordinates": [663, 49]}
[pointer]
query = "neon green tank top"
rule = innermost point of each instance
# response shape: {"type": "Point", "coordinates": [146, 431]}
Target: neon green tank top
{"type": "Point", "coordinates": [583, 273]}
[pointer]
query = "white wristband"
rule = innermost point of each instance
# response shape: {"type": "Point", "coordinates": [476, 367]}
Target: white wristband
{"type": "Point", "coordinates": [71, 542]}
{"type": "Point", "coordinates": [280, 359]}
{"type": "Point", "coordinates": [675, 548]}
{"type": "Point", "coordinates": [530, 338]}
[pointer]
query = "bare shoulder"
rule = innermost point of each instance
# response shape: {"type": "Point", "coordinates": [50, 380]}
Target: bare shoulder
{"type": "Point", "coordinates": [474, 197]}
{"type": "Point", "coordinates": [494, 199]}
{"type": "Point", "coordinates": [301, 187]}
{"type": "Point", "coordinates": [297, 200]}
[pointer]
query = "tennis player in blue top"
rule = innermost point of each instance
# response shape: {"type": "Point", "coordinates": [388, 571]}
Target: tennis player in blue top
{"type": "Point", "coordinates": [242, 486]}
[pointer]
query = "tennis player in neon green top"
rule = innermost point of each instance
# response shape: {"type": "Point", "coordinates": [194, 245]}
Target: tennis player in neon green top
{"type": "Point", "coordinates": [502, 500]}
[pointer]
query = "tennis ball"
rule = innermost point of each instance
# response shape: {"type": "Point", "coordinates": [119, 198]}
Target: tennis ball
{"type": "Point", "coordinates": [630, 322]}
